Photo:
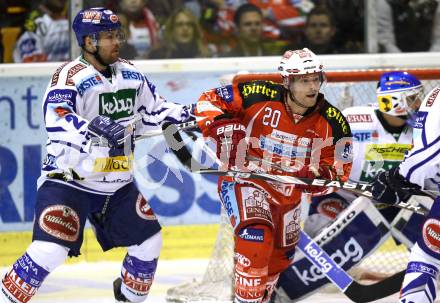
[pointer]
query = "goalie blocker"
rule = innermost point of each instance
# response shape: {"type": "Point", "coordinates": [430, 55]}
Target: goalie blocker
{"type": "Point", "coordinates": [346, 246]}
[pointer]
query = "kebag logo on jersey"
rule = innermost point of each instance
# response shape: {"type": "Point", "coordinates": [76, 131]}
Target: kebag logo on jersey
{"type": "Point", "coordinates": [117, 105]}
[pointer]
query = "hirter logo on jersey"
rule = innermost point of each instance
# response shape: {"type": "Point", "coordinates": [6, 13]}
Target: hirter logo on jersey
{"type": "Point", "coordinates": [117, 105]}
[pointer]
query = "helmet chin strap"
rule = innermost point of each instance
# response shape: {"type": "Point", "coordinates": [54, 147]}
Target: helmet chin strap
{"type": "Point", "coordinates": [96, 55]}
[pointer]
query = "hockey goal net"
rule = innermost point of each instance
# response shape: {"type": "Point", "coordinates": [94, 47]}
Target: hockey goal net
{"type": "Point", "coordinates": [343, 89]}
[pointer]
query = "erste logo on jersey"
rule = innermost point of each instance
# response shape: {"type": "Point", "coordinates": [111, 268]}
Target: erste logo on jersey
{"type": "Point", "coordinates": [117, 105]}
{"type": "Point", "coordinates": [132, 75]}
{"type": "Point", "coordinates": [365, 135]}
{"type": "Point", "coordinates": [87, 83]}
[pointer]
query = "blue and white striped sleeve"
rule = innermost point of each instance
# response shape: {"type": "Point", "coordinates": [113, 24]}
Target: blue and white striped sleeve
{"type": "Point", "coordinates": [423, 161]}
{"type": "Point", "coordinates": [63, 125]}
{"type": "Point", "coordinates": [155, 109]}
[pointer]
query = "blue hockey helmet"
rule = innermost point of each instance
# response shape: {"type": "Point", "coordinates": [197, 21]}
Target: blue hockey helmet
{"type": "Point", "coordinates": [92, 21]}
{"type": "Point", "coordinates": [397, 91]}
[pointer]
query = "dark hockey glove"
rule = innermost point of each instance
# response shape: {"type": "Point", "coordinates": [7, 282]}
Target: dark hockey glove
{"type": "Point", "coordinates": [228, 133]}
{"type": "Point", "coordinates": [116, 135]}
{"type": "Point", "coordinates": [390, 187]}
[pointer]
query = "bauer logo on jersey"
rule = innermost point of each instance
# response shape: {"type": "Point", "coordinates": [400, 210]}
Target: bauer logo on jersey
{"type": "Point", "coordinates": [252, 234]}
{"type": "Point", "coordinates": [117, 105]}
{"type": "Point", "coordinates": [61, 96]}
{"type": "Point", "coordinates": [88, 83]}
{"type": "Point", "coordinates": [226, 93]}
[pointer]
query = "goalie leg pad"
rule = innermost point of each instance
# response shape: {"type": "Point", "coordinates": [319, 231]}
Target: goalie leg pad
{"type": "Point", "coordinates": [252, 256]}
{"type": "Point", "coordinates": [27, 274]}
{"type": "Point", "coordinates": [139, 267]}
{"type": "Point", "coordinates": [420, 282]}
{"type": "Point", "coordinates": [245, 204]}
{"type": "Point", "coordinates": [359, 231]}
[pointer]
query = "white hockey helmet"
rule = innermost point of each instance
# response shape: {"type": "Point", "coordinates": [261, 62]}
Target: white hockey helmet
{"type": "Point", "coordinates": [299, 62]}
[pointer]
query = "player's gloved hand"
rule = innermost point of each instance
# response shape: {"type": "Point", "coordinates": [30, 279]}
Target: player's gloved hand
{"type": "Point", "coordinates": [390, 187]}
{"type": "Point", "coordinates": [323, 172]}
{"type": "Point", "coordinates": [114, 133]}
{"type": "Point", "coordinates": [228, 133]}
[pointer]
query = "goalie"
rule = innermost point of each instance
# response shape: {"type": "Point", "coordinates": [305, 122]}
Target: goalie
{"type": "Point", "coordinates": [285, 124]}
{"type": "Point", "coordinates": [349, 227]}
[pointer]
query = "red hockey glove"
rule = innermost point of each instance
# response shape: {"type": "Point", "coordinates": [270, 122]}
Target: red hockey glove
{"type": "Point", "coordinates": [228, 133]}
{"type": "Point", "coordinates": [322, 172]}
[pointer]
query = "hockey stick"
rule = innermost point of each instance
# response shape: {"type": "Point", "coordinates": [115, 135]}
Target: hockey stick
{"type": "Point", "coordinates": [180, 126]}
{"type": "Point", "coordinates": [354, 290]}
{"type": "Point", "coordinates": [177, 145]}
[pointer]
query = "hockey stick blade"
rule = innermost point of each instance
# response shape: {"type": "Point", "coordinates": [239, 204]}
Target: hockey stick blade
{"type": "Point", "coordinates": [356, 291]}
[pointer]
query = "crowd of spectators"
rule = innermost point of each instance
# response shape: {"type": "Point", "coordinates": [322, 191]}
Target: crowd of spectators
{"type": "Point", "coordinates": [35, 31]}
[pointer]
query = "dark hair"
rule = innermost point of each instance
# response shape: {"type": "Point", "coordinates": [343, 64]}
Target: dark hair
{"type": "Point", "coordinates": [245, 8]}
{"type": "Point", "coordinates": [321, 11]}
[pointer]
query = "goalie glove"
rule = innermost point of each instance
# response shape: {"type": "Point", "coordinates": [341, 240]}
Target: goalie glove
{"type": "Point", "coordinates": [114, 133]}
{"type": "Point", "coordinates": [228, 133]}
{"type": "Point", "coordinates": [390, 187]}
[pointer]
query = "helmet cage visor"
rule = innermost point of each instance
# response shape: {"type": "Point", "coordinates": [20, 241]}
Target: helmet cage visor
{"type": "Point", "coordinates": [400, 103]}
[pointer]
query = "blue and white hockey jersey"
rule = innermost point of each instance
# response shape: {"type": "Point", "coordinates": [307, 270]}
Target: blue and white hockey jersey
{"type": "Point", "coordinates": [422, 164]}
{"type": "Point", "coordinates": [76, 94]}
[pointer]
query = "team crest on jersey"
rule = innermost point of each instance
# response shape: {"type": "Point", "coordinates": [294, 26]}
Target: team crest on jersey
{"type": "Point", "coordinates": [330, 207]}
{"type": "Point", "coordinates": [143, 209]}
{"type": "Point", "coordinates": [431, 234]}
{"type": "Point", "coordinates": [89, 82]}
{"type": "Point", "coordinates": [419, 122]}
{"type": "Point", "coordinates": [255, 205]}
{"type": "Point", "coordinates": [117, 105]}
{"type": "Point", "coordinates": [225, 93]}
{"type": "Point", "coordinates": [291, 226]}
{"type": "Point", "coordinates": [60, 221]}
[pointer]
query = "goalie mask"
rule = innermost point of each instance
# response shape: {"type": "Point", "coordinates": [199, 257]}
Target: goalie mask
{"type": "Point", "coordinates": [397, 92]}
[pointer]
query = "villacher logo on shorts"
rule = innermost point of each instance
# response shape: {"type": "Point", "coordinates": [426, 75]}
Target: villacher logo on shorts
{"type": "Point", "coordinates": [431, 234]}
{"type": "Point", "coordinates": [60, 221]}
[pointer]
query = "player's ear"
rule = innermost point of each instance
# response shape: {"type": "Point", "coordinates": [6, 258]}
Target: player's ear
{"type": "Point", "coordinates": [89, 45]}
